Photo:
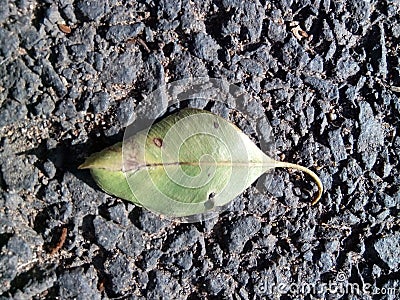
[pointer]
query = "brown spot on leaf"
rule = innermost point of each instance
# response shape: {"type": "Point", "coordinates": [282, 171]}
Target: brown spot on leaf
{"type": "Point", "coordinates": [157, 142]}
{"type": "Point", "coordinates": [216, 125]}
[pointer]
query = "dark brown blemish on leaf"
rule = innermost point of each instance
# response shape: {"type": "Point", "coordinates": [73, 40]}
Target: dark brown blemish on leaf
{"type": "Point", "coordinates": [158, 142]}
{"type": "Point", "coordinates": [216, 125]}
{"type": "Point", "coordinates": [209, 204]}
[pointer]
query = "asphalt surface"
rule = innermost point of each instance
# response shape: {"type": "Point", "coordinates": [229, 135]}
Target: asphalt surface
{"type": "Point", "coordinates": [324, 73]}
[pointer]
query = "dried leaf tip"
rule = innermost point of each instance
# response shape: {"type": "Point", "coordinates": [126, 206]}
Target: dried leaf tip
{"type": "Point", "coordinates": [110, 159]}
{"type": "Point", "coordinates": [84, 165]}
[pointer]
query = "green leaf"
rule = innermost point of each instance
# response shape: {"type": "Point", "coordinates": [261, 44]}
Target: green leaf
{"type": "Point", "coordinates": [188, 164]}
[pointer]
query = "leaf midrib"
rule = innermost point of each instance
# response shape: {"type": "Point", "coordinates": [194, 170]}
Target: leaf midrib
{"type": "Point", "coordinates": [197, 164]}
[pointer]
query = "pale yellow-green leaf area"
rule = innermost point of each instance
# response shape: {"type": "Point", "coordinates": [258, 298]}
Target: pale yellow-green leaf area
{"type": "Point", "coordinates": [189, 163]}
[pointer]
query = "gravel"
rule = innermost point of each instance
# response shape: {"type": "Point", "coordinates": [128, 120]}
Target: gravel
{"type": "Point", "coordinates": [388, 249]}
{"type": "Point", "coordinates": [324, 73]}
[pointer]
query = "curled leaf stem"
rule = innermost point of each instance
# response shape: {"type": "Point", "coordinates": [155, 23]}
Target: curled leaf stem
{"type": "Point", "coordinates": [281, 164]}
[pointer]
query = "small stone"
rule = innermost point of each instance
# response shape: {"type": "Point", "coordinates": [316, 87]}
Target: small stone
{"type": "Point", "coordinates": [216, 282]}
{"type": "Point", "coordinates": [276, 32]}
{"type": "Point", "coordinates": [12, 201]}
{"type": "Point", "coordinates": [120, 271]}
{"type": "Point", "coordinates": [346, 67]}
{"type": "Point", "coordinates": [150, 222]}
{"type": "Point", "coordinates": [187, 65]}
{"type": "Point", "coordinates": [18, 174]}
{"type": "Point", "coordinates": [326, 262]}
{"type": "Point", "coordinates": [8, 270]}
{"type": "Point", "coordinates": [69, 13]}
{"type": "Point", "coordinates": [100, 102]}
{"type": "Point", "coordinates": [251, 16]}
{"type": "Point", "coordinates": [41, 280]}
{"type": "Point", "coordinates": [131, 242]}
{"type": "Point", "coordinates": [240, 231]}
{"type": "Point", "coordinates": [388, 249]}
{"type": "Point", "coordinates": [93, 9]}
{"type": "Point", "coordinates": [66, 109]}
{"type": "Point", "coordinates": [217, 254]}
{"type": "Point", "coordinates": [79, 52]}
{"type": "Point", "coordinates": [184, 240]}
{"type": "Point", "coordinates": [205, 47]}
{"type": "Point", "coordinates": [78, 283]}
{"type": "Point", "coordinates": [4, 10]}
{"type": "Point", "coordinates": [162, 283]}
{"type": "Point", "coordinates": [29, 38]}
{"type": "Point", "coordinates": [98, 62]}
{"type": "Point", "coordinates": [150, 258]}
{"type": "Point", "coordinates": [169, 9]}
{"type": "Point", "coordinates": [124, 68]}
{"type": "Point", "coordinates": [153, 74]}
{"type": "Point", "coordinates": [51, 77]}
{"type": "Point", "coordinates": [184, 260]}
{"type": "Point", "coordinates": [11, 112]}
{"type": "Point", "coordinates": [107, 233]}
{"type": "Point", "coordinates": [123, 33]}
{"type": "Point", "coordinates": [49, 169]}
{"type": "Point", "coordinates": [9, 42]}
{"type": "Point", "coordinates": [125, 111]}
{"type": "Point", "coordinates": [316, 64]}
{"type": "Point", "coordinates": [371, 135]}
{"type": "Point", "coordinates": [20, 247]}
{"type": "Point", "coordinates": [294, 55]}
{"type": "Point", "coordinates": [45, 106]}
{"type": "Point", "coordinates": [337, 145]}
{"type": "Point", "coordinates": [360, 10]}
{"type": "Point", "coordinates": [277, 185]}
{"type": "Point", "coordinates": [327, 89]}
{"type": "Point", "coordinates": [119, 214]}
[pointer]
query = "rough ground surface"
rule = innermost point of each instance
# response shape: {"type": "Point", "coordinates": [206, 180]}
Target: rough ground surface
{"type": "Point", "coordinates": [326, 74]}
